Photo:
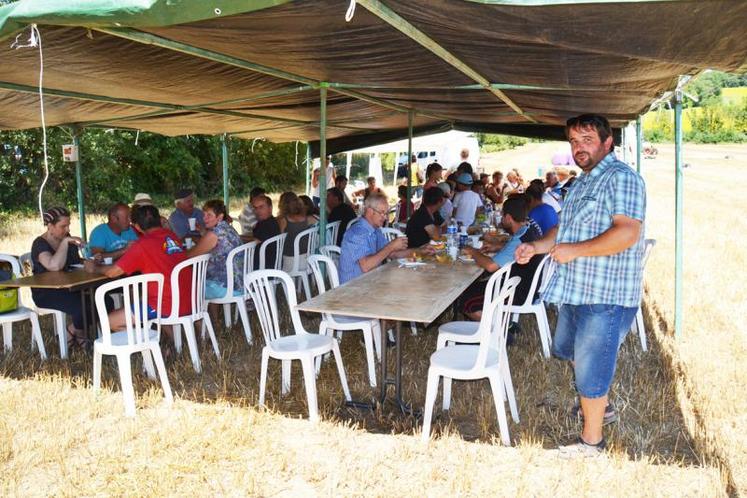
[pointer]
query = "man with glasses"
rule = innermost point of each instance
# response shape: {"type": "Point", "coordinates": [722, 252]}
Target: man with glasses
{"type": "Point", "coordinates": [364, 246]}
{"type": "Point", "coordinates": [598, 247]}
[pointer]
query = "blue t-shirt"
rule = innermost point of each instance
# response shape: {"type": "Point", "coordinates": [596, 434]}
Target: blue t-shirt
{"type": "Point", "coordinates": [545, 216]}
{"type": "Point", "coordinates": [102, 237]}
{"type": "Point", "coordinates": [180, 222]}
{"type": "Point", "coordinates": [506, 254]}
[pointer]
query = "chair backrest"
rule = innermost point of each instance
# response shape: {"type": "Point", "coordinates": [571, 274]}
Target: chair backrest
{"type": "Point", "coordinates": [541, 277]}
{"type": "Point", "coordinates": [261, 286]}
{"type": "Point", "coordinates": [135, 290]}
{"type": "Point", "coordinates": [353, 222]}
{"type": "Point", "coordinates": [197, 301]}
{"type": "Point", "coordinates": [331, 251]}
{"type": "Point", "coordinates": [391, 233]}
{"type": "Point", "coordinates": [493, 325]}
{"type": "Point", "coordinates": [15, 268]}
{"type": "Point", "coordinates": [321, 265]}
{"type": "Point", "coordinates": [278, 242]}
{"type": "Point", "coordinates": [305, 244]}
{"type": "Point", "coordinates": [332, 230]}
{"type": "Point", "coordinates": [648, 245]}
{"type": "Point", "coordinates": [243, 258]}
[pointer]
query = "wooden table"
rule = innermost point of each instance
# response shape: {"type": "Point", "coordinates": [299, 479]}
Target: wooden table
{"type": "Point", "coordinates": [73, 280]}
{"type": "Point", "coordinates": [389, 292]}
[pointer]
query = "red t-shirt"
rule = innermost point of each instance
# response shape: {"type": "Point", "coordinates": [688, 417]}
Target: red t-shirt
{"type": "Point", "coordinates": [159, 251]}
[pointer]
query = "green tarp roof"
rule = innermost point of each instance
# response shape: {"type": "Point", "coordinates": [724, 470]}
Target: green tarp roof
{"type": "Point", "coordinates": [253, 68]}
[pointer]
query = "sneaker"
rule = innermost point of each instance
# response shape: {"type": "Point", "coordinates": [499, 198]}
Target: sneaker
{"type": "Point", "coordinates": [582, 449]}
{"type": "Point", "coordinates": [610, 415]}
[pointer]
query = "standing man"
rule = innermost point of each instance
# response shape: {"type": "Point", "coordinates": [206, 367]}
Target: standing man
{"type": "Point", "coordinates": [111, 239]}
{"type": "Point", "coordinates": [329, 179]}
{"type": "Point", "coordinates": [184, 201]}
{"type": "Point", "coordinates": [598, 247]}
{"type": "Point", "coordinates": [466, 202]}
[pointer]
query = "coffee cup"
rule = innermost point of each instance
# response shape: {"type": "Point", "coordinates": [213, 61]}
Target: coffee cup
{"type": "Point", "coordinates": [192, 224]}
{"type": "Point", "coordinates": [108, 261]}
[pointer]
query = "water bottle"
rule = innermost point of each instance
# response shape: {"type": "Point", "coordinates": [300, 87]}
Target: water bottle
{"type": "Point", "coordinates": [452, 241]}
{"type": "Point", "coordinates": [488, 213]}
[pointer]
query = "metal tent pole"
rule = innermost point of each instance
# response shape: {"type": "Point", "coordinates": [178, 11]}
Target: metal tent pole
{"type": "Point", "coordinates": [79, 185]}
{"type": "Point", "coordinates": [308, 168]}
{"type": "Point", "coordinates": [322, 163]}
{"type": "Point", "coordinates": [224, 152]}
{"type": "Point", "coordinates": [639, 144]}
{"type": "Point", "coordinates": [678, 214]}
{"type": "Point", "coordinates": [348, 164]}
{"type": "Point", "coordinates": [409, 162]}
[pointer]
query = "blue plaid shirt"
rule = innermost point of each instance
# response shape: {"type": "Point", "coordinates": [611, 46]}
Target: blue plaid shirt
{"type": "Point", "coordinates": [359, 241]}
{"type": "Point", "coordinates": [611, 188]}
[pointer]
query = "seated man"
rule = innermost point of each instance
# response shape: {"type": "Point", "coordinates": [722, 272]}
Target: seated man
{"type": "Point", "coordinates": [364, 246]}
{"type": "Point", "coordinates": [267, 226]}
{"type": "Point", "coordinates": [111, 239]}
{"type": "Point", "coordinates": [157, 251]}
{"type": "Point", "coordinates": [247, 218]}
{"type": "Point", "coordinates": [341, 182]}
{"type": "Point", "coordinates": [340, 211]}
{"type": "Point", "coordinates": [515, 222]}
{"type": "Point", "coordinates": [402, 205]}
{"type": "Point", "coordinates": [542, 213]}
{"type": "Point", "coordinates": [424, 223]}
{"type": "Point", "coordinates": [185, 209]}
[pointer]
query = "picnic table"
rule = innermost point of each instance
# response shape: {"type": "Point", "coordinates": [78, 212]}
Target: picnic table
{"type": "Point", "coordinates": [74, 280]}
{"type": "Point", "coordinates": [391, 292]}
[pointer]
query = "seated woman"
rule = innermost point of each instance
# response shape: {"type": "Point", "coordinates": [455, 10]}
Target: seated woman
{"type": "Point", "coordinates": [57, 250]}
{"type": "Point", "coordinates": [292, 220]}
{"type": "Point", "coordinates": [312, 212]}
{"type": "Point", "coordinates": [218, 238]}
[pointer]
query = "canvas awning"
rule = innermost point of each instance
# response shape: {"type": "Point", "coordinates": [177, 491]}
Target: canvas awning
{"type": "Point", "coordinates": [253, 69]}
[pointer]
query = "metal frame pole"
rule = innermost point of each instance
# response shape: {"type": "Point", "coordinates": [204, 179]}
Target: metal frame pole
{"type": "Point", "coordinates": [308, 168]}
{"type": "Point", "coordinates": [224, 152]}
{"type": "Point", "coordinates": [409, 162]}
{"type": "Point", "coordinates": [678, 214]}
{"type": "Point", "coordinates": [79, 185]}
{"type": "Point", "coordinates": [322, 164]}
{"type": "Point", "coordinates": [639, 144]}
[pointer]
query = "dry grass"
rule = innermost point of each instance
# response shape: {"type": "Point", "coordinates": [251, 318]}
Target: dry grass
{"type": "Point", "coordinates": [57, 438]}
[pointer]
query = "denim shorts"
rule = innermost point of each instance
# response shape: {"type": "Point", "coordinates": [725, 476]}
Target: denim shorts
{"type": "Point", "coordinates": [590, 335]}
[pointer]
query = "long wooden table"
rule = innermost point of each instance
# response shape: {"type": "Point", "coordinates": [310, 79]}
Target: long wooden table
{"type": "Point", "coordinates": [74, 280]}
{"type": "Point", "coordinates": [418, 294]}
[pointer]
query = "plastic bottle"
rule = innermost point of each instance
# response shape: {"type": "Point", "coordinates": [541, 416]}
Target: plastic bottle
{"type": "Point", "coordinates": [452, 240]}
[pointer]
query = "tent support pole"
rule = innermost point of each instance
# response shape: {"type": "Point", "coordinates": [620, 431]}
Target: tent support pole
{"type": "Point", "coordinates": [224, 153]}
{"type": "Point", "coordinates": [308, 167]}
{"type": "Point", "coordinates": [322, 164]}
{"type": "Point", "coordinates": [638, 144]}
{"type": "Point", "coordinates": [678, 216]}
{"type": "Point", "coordinates": [409, 161]}
{"type": "Point", "coordinates": [79, 185]}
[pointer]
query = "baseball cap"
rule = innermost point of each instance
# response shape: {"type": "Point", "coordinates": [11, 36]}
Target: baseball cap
{"type": "Point", "coordinates": [465, 179]}
{"type": "Point", "coordinates": [182, 193]}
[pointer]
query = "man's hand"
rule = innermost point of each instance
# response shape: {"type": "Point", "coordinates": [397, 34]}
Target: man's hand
{"type": "Point", "coordinates": [397, 244]}
{"type": "Point", "coordinates": [524, 253]}
{"type": "Point", "coordinates": [564, 253]}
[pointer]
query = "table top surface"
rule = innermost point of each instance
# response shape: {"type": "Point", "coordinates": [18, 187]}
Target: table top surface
{"type": "Point", "coordinates": [56, 280]}
{"type": "Point", "coordinates": [418, 294]}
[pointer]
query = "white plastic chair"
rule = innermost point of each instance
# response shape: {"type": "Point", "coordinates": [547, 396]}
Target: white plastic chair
{"type": "Point", "coordinates": [138, 336]}
{"type": "Point", "coordinates": [477, 361]}
{"type": "Point", "coordinates": [198, 268]}
{"type": "Point", "coordinates": [333, 229]}
{"type": "Point", "coordinates": [279, 242]}
{"type": "Point", "coordinates": [371, 328]}
{"type": "Point", "coordinates": [304, 245]}
{"type": "Point", "coordinates": [332, 252]}
{"type": "Point", "coordinates": [391, 233]}
{"type": "Point", "coordinates": [353, 222]}
{"type": "Point", "coordinates": [58, 317]}
{"type": "Point", "coordinates": [20, 314]}
{"type": "Point", "coordinates": [244, 254]}
{"type": "Point", "coordinates": [542, 275]}
{"type": "Point", "coordinates": [638, 322]}
{"type": "Point", "coordinates": [300, 345]}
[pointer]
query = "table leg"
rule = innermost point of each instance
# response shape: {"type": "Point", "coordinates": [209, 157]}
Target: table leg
{"type": "Point", "coordinates": [386, 380]}
{"type": "Point", "coordinates": [86, 331]}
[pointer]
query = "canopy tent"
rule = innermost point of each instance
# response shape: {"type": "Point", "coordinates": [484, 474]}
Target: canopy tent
{"type": "Point", "coordinates": [296, 70]}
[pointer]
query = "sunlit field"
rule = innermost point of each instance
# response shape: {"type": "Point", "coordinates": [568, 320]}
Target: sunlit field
{"type": "Point", "coordinates": [680, 431]}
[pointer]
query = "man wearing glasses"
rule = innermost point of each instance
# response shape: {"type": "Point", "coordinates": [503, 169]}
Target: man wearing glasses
{"type": "Point", "coordinates": [364, 246]}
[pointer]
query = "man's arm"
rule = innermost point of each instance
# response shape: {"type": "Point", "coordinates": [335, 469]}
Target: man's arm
{"type": "Point", "coordinates": [113, 254]}
{"type": "Point", "coordinates": [623, 233]}
{"type": "Point", "coordinates": [483, 261]}
{"type": "Point", "coordinates": [395, 249]}
{"type": "Point", "coordinates": [542, 246]}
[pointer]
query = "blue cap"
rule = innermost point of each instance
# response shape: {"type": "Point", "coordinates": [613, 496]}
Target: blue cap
{"type": "Point", "coordinates": [465, 179]}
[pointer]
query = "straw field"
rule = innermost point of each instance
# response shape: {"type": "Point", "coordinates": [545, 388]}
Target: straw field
{"type": "Point", "coordinates": [56, 438]}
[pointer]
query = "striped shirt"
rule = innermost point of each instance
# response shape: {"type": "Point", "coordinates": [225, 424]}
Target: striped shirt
{"type": "Point", "coordinates": [359, 241]}
{"type": "Point", "coordinates": [610, 188]}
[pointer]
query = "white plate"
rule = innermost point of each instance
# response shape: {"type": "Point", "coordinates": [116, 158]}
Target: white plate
{"type": "Point", "coordinates": [466, 259]}
{"type": "Point", "coordinates": [409, 264]}
{"type": "Point", "coordinates": [77, 266]}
